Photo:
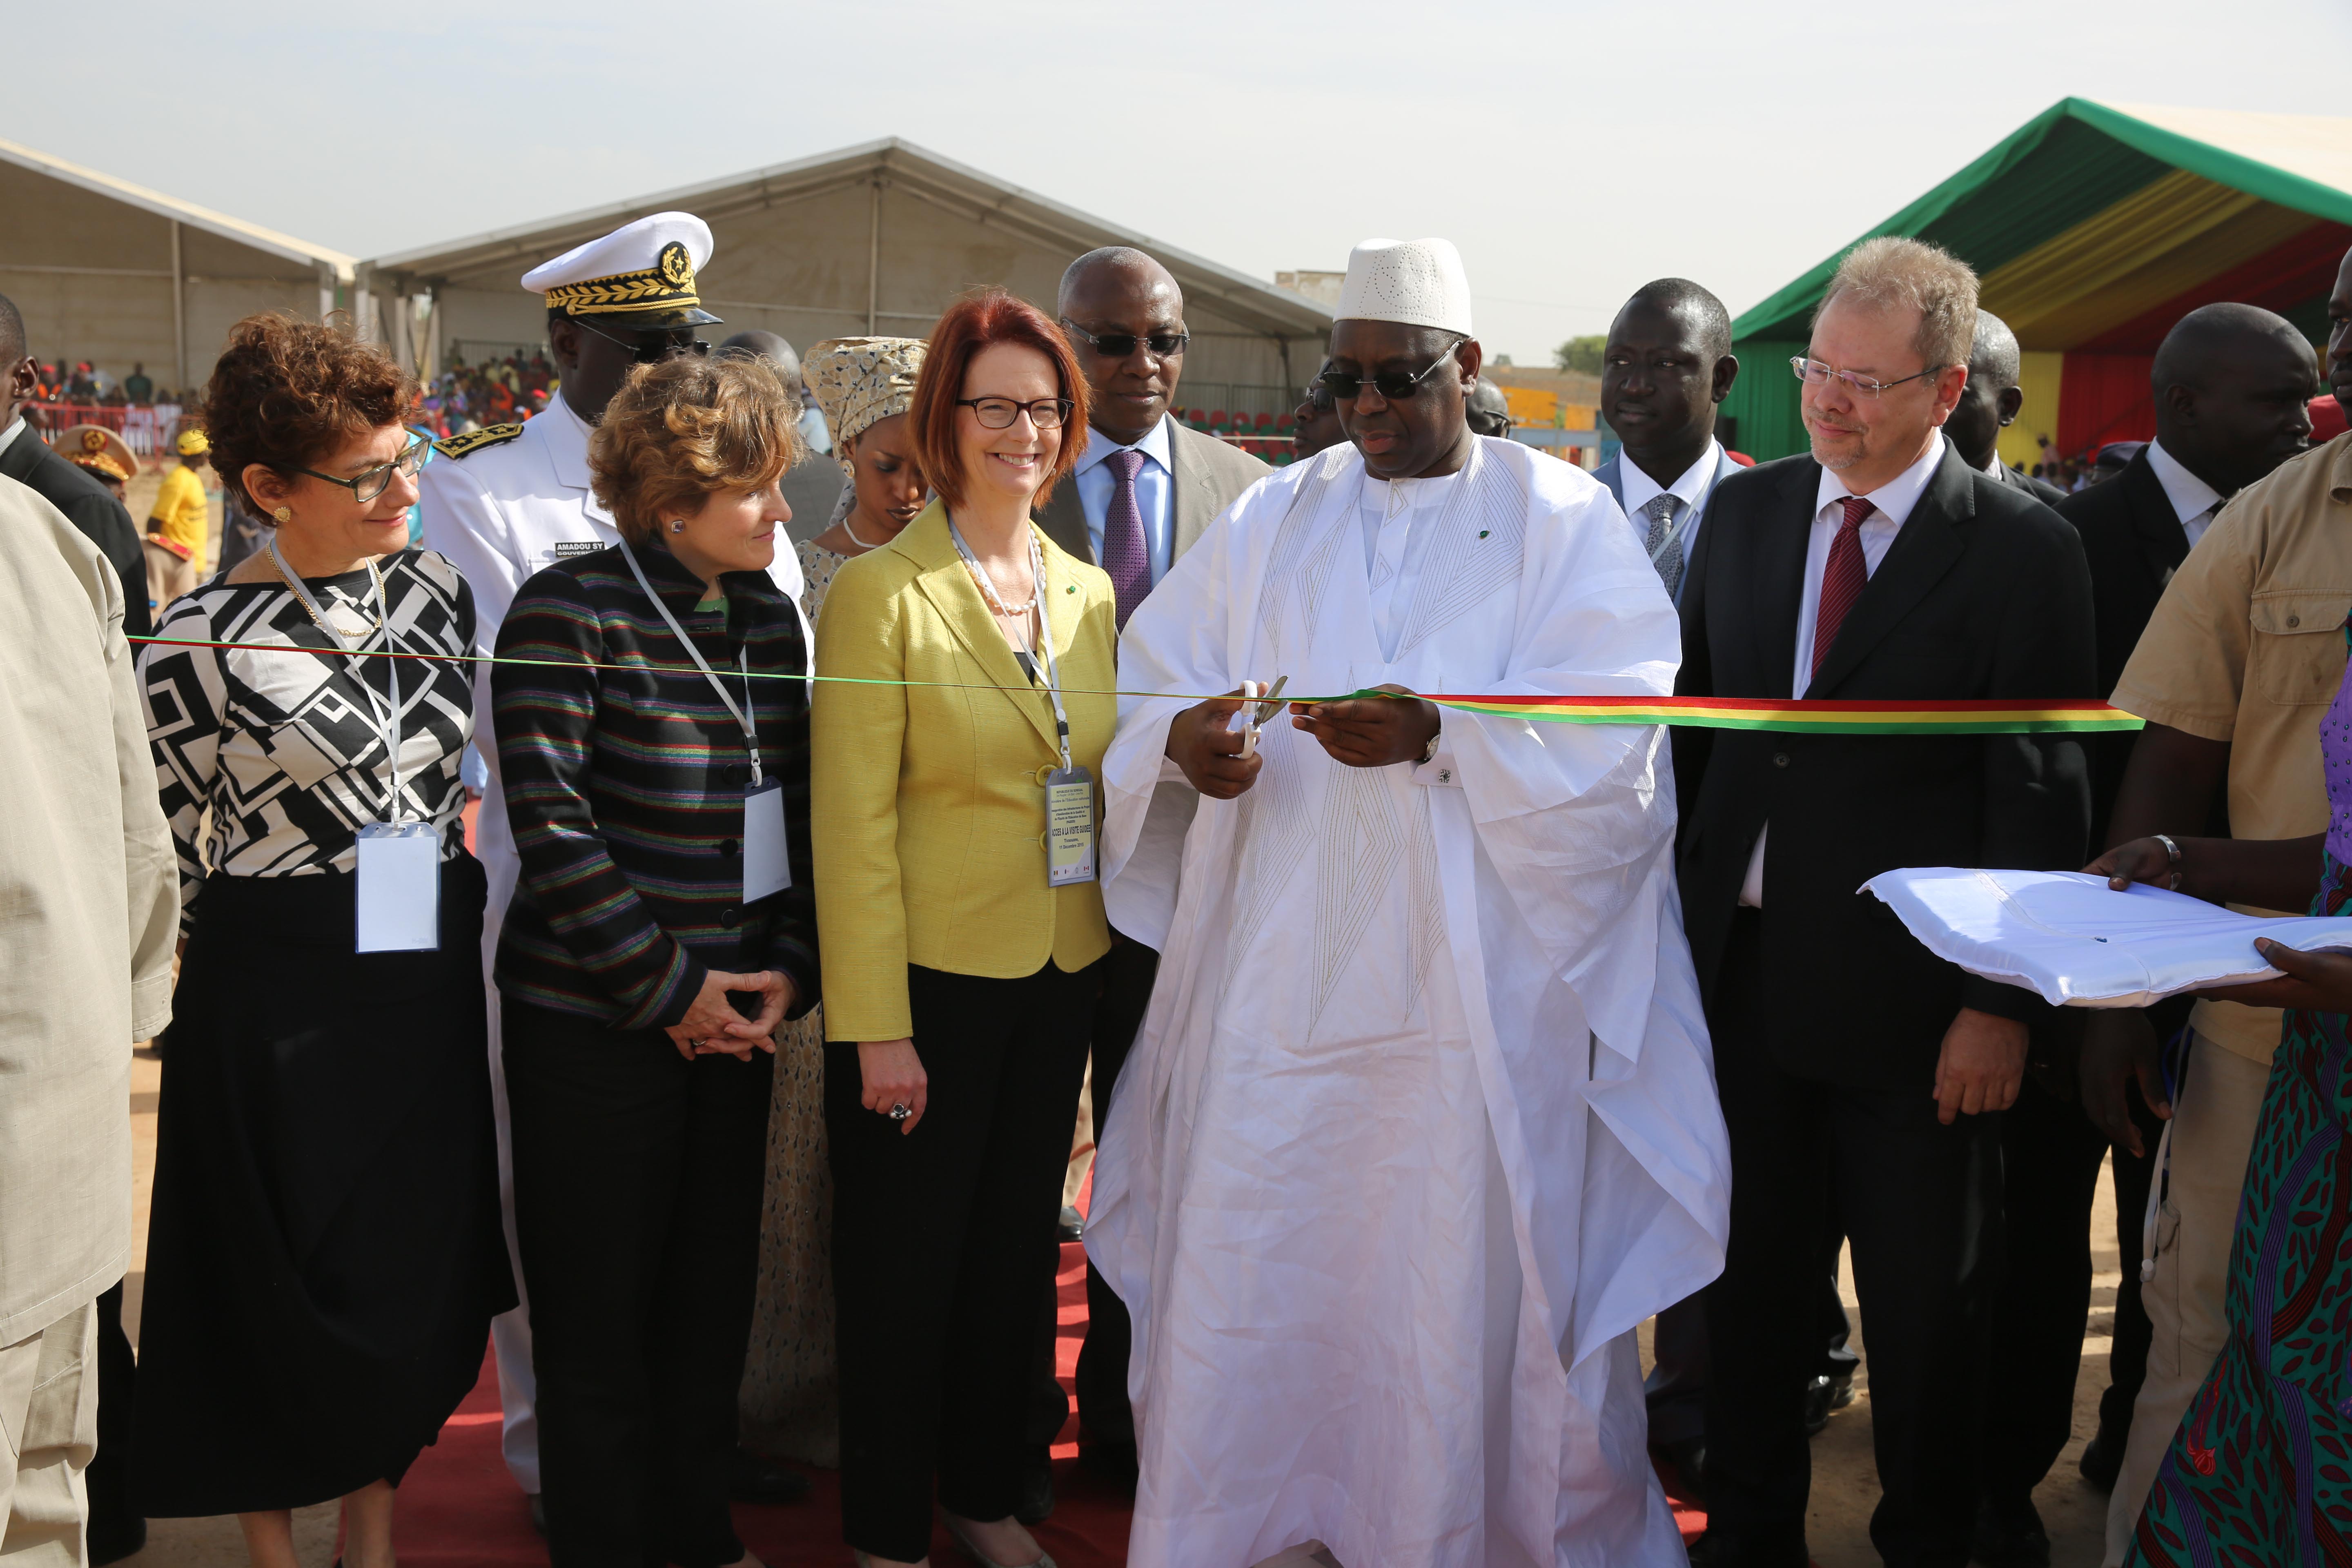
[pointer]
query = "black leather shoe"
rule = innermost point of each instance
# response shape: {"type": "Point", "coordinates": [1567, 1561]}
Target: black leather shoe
{"type": "Point", "coordinates": [1072, 1227]}
{"type": "Point", "coordinates": [2010, 1536]}
{"type": "Point", "coordinates": [754, 1477]}
{"type": "Point", "coordinates": [1037, 1501]}
{"type": "Point", "coordinates": [112, 1540]}
{"type": "Point", "coordinates": [1824, 1393]}
{"type": "Point", "coordinates": [1110, 1461]}
{"type": "Point", "coordinates": [1717, 1550]}
{"type": "Point", "coordinates": [1688, 1458]}
{"type": "Point", "coordinates": [2103, 1458]}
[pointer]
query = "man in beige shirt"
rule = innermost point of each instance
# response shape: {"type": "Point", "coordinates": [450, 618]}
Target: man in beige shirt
{"type": "Point", "coordinates": [90, 908]}
{"type": "Point", "coordinates": [2238, 664]}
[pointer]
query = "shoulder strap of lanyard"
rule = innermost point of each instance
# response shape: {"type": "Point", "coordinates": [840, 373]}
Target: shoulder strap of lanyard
{"type": "Point", "coordinates": [387, 718]}
{"type": "Point", "coordinates": [1045, 629]}
{"type": "Point", "coordinates": [742, 718]}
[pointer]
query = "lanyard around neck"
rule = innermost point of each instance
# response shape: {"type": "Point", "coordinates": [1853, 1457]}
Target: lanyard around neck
{"type": "Point", "coordinates": [1045, 625]}
{"type": "Point", "coordinates": [387, 718]}
{"type": "Point", "coordinates": [742, 718]}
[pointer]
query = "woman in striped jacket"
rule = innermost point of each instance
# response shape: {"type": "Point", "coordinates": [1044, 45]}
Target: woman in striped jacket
{"type": "Point", "coordinates": [653, 736]}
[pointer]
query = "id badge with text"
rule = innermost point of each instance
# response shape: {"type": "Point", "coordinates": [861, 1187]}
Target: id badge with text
{"type": "Point", "coordinates": [399, 888]}
{"type": "Point", "coordinates": [1069, 827]}
{"type": "Point", "coordinates": [767, 864]}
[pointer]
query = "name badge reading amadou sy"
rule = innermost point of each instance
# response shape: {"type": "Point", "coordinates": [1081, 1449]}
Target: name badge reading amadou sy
{"type": "Point", "coordinates": [1069, 827]}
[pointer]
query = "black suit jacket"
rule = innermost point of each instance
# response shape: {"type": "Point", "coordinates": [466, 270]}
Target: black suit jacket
{"type": "Point", "coordinates": [90, 507]}
{"type": "Point", "coordinates": [2134, 542]}
{"type": "Point", "coordinates": [1982, 594]}
{"type": "Point", "coordinates": [2041, 491]}
{"type": "Point", "coordinates": [1206, 476]}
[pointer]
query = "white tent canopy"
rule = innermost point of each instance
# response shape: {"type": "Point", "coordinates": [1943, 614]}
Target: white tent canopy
{"type": "Point", "coordinates": [876, 237]}
{"type": "Point", "coordinates": [116, 274]}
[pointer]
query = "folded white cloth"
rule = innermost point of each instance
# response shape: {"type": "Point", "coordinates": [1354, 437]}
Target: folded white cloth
{"type": "Point", "coordinates": [2082, 944]}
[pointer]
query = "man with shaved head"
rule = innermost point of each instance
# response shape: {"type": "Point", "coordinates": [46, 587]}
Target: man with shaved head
{"type": "Point", "coordinates": [1989, 405]}
{"type": "Point", "coordinates": [1145, 488]}
{"type": "Point", "coordinates": [2230, 543]}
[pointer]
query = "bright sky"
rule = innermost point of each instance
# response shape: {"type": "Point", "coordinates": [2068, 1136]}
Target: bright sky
{"type": "Point", "coordinates": [1572, 150]}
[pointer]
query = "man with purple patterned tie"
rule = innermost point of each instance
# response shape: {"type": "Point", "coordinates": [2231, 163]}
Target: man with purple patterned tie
{"type": "Point", "coordinates": [1145, 490]}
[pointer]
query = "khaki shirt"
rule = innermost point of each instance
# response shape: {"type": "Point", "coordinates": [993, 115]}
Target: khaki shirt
{"type": "Point", "coordinates": [90, 909]}
{"type": "Point", "coordinates": [2247, 646]}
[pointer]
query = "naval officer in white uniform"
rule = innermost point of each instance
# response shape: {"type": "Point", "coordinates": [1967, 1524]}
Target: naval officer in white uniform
{"type": "Point", "coordinates": [504, 502]}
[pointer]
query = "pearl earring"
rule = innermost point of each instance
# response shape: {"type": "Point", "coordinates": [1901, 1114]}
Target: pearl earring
{"type": "Point", "coordinates": [677, 525]}
{"type": "Point", "coordinates": [283, 514]}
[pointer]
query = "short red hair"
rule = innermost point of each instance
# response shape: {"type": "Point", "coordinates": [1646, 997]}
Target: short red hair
{"type": "Point", "coordinates": [979, 319]}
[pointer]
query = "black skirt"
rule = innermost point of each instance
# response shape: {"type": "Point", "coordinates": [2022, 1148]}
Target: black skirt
{"type": "Point", "coordinates": [324, 1252]}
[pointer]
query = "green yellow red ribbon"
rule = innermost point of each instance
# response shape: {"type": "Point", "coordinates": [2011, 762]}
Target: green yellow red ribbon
{"type": "Point", "coordinates": [1781, 715]}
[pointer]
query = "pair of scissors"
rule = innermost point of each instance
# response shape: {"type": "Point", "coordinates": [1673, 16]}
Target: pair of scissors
{"type": "Point", "coordinates": [1267, 706]}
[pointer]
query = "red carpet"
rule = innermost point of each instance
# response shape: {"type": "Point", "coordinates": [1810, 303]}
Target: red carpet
{"type": "Point", "coordinates": [459, 1509]}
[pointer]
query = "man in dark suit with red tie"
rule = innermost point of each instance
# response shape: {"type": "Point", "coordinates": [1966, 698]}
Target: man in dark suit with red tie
{"type": "Point", "coordinates": [1861, 1075]}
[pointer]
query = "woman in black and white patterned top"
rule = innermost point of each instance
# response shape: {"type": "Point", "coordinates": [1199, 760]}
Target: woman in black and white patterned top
{"type": "Point", "coordinates": [283, 744]}
{"type": "Point", "coordinates": [324, 1254]}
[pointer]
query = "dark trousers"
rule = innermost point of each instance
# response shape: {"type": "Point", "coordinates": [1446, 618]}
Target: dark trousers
{"type": "Point", "coordinates": [939, 1238]}
{"type": "Point", "coordinates": [113, 1513]}
{"type": "Point", "coordinates": [2050, 1155]}
{"type": "Point", "coordinates": [1128, 973]}
{"type": "Point", "coordinates": [1919, 1202]}
{"type": "Point", "coordinates": [2128, 1362]}
{"type": "Point", "coordinates": [638, 1189]}
{"type": "Point", "coordinates": [1675, 1389]}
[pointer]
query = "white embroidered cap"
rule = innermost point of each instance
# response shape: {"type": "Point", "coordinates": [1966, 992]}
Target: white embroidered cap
{"type": "Point", "coordinates": [644, 268]}
{"type": "Point", "coordinates": [1417, 281]}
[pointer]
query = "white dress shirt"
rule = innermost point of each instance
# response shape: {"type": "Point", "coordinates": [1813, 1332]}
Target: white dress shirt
{"type": "Point", "coordinates": [2193, 500]}
{"type": "Point", "coordinates": [1154, 496]}
{"type": "Point", "coordinates": [1691, 490]}
{"type": "Point", "coordinates": [1400, 519]}
{"type": "Point", "coordinates": [1892, 502]}
{"type": "Point", "coordinates": [9, 436]}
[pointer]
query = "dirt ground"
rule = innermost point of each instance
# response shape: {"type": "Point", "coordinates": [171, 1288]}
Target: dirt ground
{"type": "Point", "coordinates": [1846, 1484]}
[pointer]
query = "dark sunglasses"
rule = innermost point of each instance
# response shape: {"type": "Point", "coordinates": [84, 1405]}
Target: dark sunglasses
{"type": "Point", "coordinates": [1393, 384]}
{"type": "Point", "coordinates": [1119, 345]}
{"type": "Point", "coordinates": [370, 483]}
{"type": "Point", "coordinates": [652, 346]}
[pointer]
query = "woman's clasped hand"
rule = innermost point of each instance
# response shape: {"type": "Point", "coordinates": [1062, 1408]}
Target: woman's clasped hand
{"type": "Point", "coordinates": [713, 1026]}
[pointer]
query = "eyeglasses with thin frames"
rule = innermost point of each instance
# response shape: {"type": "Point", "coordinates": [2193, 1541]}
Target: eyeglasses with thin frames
{"type": "Point", "coordinates": [1813, 373]}
{"type": "Point", "coordinates": [1119, 345]}
{"type": "Point", "coordinates": [1395, 386]}
{"type": "Point", "coordinates": [370, 483]}
{"type": "Point", "coordinates": [999, 413]}
{"type": "Point", "coordinates": [645, 350]}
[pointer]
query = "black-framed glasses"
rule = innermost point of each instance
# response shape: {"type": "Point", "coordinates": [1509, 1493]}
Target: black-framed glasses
{"type": "Point", "coordinates": [999, 413]}
{"type": "Point", "coordinates": [370, 483]}
{"type": "Point", "coordinates": [1813, 373]}
{"type": "Point", "coordinates": [651, 346]}
{"type": "Point", "coordinates": [1396, 385]}
{"type": "Point", "coordinates": [1119, 345]}
{"type": "Point", "coordinates": [1319, 397]}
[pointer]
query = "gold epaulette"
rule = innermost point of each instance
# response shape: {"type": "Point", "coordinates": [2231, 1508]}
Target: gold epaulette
{"type": "Point", "coordinates": [473, 441]}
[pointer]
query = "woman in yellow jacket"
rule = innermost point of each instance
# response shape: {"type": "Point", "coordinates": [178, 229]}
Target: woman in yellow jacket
{"type": "Point", "coordinates": [960, 933]}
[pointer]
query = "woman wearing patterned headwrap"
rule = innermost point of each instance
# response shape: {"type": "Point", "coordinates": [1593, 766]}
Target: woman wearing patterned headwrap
{"type": "Point", "coordinates": [790, 1384]}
